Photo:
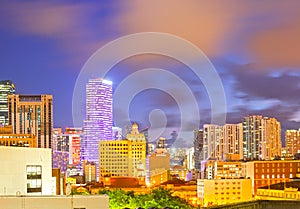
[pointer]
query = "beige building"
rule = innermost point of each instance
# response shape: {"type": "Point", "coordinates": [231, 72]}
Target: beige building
{"type": "Point", "coordinates": [89, 171]}
{"type": "Point", "coordinates": [55, 202]}
{"type": "Point", "coordinates": [292, 142]}
{"type": "Point", "coordinates": [222, 140]}
{"type": "Point", "coordinates": [223, 191]}
{"type": "Point", "coordinates": [32, 114]}
{"type": "Point", "coordinates": [233, 140]}
{"type": "Point", "coordinates": [125, 157]}
{"type": "Point", "coordinates": [26, 171]}
{"type": "Point", "coordinates": [157, 168]}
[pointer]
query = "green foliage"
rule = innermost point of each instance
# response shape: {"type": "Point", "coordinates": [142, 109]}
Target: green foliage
{"type": "Point", "coordinates": [158, 198]}
{"type": "Point", "coordinates": [75, 192]}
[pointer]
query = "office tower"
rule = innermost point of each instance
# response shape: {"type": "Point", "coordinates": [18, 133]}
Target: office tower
{"type": "Point", "coordinates": [292, 142]}
{"type": "Point", "coordinates": [98, 123]}
{"type": "Point", "coordinates": [213, 143]}
{"type": "Point", "coordinates": [233, 140]}
{"type": "Point", "coordinates": [6, 88]}
{"type": "Point", "coordinates": [261, 137]}
{"type": "Point", "coordinates": [32, 114]}
{"type": "Point", "coordinates": [125, 157]}
{"type": "Point", "coordinates": [198, 148]}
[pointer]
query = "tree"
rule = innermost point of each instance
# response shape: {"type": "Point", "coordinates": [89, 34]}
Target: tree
{"type": "Point", "coordinates": [157, 198]}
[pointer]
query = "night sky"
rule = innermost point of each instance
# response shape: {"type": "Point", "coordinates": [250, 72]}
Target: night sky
{"type": "Point", "coordinates": [253, 45]}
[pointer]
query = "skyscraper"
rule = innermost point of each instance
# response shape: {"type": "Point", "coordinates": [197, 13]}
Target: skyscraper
{"type": "Point", "coordinates": [32, 114]}
{"type": "Point", "coordinates": [98, 123]}
{"type": "Point", "coordinates": [6, 88]}
{"type": "Point", "coordinates": [261, 137]}
{"type": "Point", "coordinates": [213, 145]}
{"type": "Point", "coordinates": [292, 142]}
{"type": "Point", "coordinates": [198, 147]}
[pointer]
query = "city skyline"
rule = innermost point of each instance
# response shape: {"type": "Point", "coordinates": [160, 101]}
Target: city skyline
{"type": "Point", "coordinates": [254, 50]}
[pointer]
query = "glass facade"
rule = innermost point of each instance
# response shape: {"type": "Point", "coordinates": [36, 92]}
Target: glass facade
{"type": "Point", "coordinates": [6, 88]}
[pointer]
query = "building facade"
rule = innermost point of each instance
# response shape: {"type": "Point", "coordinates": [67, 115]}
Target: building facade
{"type": "Point", "coordinates": [233, 139]}
{"type": "Point", "coordinates": [98, 121]}
{"type": "Point", "coordinates": [223, 191]}
{"type": "Point", "coordinates": [264, 173]}
{"type": "Point", "coordinates": [213, 143]}
{"type": "Point", "coordinates": [261, 138]}
{"type": "Point", "coordinates": [292, 142]}
{"type": "Point", "coordinates": [123, 157]}
{"type": "Point", "coordinates": [26, 171]}
{"type": "Point", "coordinates": [198, 148]}
{"type": "Point", "coordinates": [32, 114]}
{"type": "Point", "coordinates": [6, 88]}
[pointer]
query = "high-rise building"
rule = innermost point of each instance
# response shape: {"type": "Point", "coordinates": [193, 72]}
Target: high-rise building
{"type": "Point", "coordinates": [69, 142]}
{"type": "Point", "coordinates": [198, 148]}
{"type": "Point", "coordinates": [125, 157]}
{"type": "Point", "coordinates": [233, 139]}
{"type": "Point", "coordinates": [6, 88]}
{"type": "Point", "coordinates": [32, 114]}
{"type": "Point", "coordinates": [271, 138]}
{"type": "Point", "coordinates": [252, 137]}
{"type": "Point", "coordinates": [292, 142]}
{"type": "Point", "coordinates": [261, 137]}
{"type": "Point", "coordinates": [213, 143]}
{"type": "Point", "coordinates": [98, 122]}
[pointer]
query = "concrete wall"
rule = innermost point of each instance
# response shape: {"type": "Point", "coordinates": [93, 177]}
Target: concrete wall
{"type": "Point", "coordinates": [55, 202]}
{"type": "Point", "coordinates": [260, 204]}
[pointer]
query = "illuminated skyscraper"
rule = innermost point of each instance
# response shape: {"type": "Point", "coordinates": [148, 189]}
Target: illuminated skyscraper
{"type": "Point", "coordinates": [32, 114]}
{"type": "Point", "coordinates": [292, 142]}
{"type": "Point", "coordinates": [6, 88]}
{"type": "Point", "coordinates": [213, 142]}
{"type": "Point", "coordinates": [98, 123]}
{"type": "Point", "coordinates": [261, 137]}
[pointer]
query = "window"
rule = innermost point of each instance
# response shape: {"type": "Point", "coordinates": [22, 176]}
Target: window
{"type": "Point", "coordinates": [34, 178]}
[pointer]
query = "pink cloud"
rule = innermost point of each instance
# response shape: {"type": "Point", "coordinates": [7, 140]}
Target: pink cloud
{"type": "Point", "coordinates": [269, 28]}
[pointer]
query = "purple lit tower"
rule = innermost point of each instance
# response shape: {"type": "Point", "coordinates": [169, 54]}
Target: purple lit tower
{"type": "Point", "coordinates": [98, 123]}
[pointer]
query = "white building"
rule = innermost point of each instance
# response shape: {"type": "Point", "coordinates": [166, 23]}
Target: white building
{"type": "Point", "coordinates": [26, 171]}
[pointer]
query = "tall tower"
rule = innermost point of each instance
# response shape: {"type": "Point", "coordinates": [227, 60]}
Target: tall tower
{"type": "Point", "coordinates": [6, 88]}
{"type": "Point", "coordinates": [213, 143]}
{"type": "Point", "coordinates": [261, 137]}
{"type": "Point", "coordinates": [252, 137]}
{"type": "Point", "coordinates": [98, 123]}
{"type": "Point", "coordinates": [32, 114]}
{"type": "Point", "coordinates": [292, 142]}
{"type": "Point", "coordinates": [233, 139]}
{"type": "Point", "coordinates": [198, 147]}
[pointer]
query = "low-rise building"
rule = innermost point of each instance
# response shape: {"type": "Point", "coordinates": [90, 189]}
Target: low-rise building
{"type": "Point", "coordinates": [270, 172]}
{"type": "Point", "coordinates": [26, 171]}
{"type": "Point", "coordinates": [223, 191]}
{"type": "Point", "coordinates": [280, 191]}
